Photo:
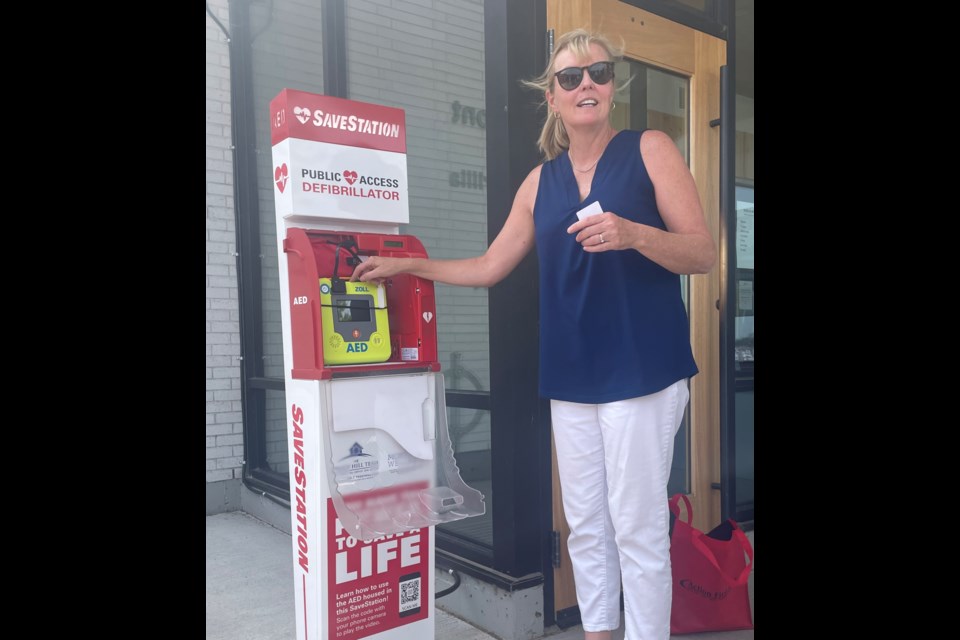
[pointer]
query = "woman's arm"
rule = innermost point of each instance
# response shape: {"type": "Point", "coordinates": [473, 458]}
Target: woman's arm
{"type": "Point", "coordinates": [514, 241]}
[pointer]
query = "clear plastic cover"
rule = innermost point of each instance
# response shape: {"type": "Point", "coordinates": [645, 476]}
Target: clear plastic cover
{"type": "Point", "coordinates": [390, 463]}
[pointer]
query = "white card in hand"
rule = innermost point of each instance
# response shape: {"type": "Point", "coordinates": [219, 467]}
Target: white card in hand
{"type": "Point", "coordinates": [589, 210]}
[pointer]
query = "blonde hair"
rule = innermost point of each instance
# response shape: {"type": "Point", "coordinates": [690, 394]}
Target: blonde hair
{"type": "Point", "coordinates": [553, 137]}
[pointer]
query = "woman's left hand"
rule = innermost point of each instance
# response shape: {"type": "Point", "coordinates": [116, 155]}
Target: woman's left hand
{"type": "Point", "coordinates": [603, 232]}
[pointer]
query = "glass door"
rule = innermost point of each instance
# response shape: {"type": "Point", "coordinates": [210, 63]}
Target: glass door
{"type": "Point", "coordinates": [658, 99]}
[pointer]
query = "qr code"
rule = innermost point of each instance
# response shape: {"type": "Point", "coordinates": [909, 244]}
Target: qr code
{"type": "Point", "coordinates": [410, 594]}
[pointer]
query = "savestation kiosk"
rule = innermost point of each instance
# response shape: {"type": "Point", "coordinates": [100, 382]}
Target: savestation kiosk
{"type": "Point", "coordinates": [371, 463]}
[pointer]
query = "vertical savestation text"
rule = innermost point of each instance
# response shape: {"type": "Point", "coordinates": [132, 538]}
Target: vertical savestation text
{"type": "Point", "coordinates": [300, 479]}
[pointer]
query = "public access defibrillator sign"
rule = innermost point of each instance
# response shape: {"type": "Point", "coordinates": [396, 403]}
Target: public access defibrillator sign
{"type": "Point", "coordinates": [336, 158]}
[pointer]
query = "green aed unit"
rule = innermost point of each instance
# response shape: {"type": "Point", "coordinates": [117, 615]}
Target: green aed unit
{"type": "Point", "coordinates": [355, 322]}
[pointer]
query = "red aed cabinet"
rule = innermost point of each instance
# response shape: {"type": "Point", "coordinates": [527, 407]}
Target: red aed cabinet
{"type": "Point", "coordinates": [411, 304]}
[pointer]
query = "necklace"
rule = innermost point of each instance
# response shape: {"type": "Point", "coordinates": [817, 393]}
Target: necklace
{"type": "Point", "coordinates": [570, 157]}
{"type": "Point", "coordinates": [588, 168]}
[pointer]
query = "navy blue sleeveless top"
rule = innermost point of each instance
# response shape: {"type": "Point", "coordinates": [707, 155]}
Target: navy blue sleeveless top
{"type": "Point", "coordinates": [612, 325]}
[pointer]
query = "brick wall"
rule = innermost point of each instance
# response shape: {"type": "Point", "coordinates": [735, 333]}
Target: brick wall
{"type": "Point", "coordinates": [224, 420]}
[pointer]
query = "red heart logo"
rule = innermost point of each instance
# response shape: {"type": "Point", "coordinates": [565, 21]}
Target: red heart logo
{"type": "Point", "coordinates": [280, 175]}
{"type": "Point", "coordinates": [350, 176]}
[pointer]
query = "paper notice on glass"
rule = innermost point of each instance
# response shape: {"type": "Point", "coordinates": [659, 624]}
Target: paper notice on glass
{"type": "Point", "coordinates": [591, 209]}
{"type": "Point", "coordinates": [745, 295]}
{"type": "Point", "coordinates": [744, 235]}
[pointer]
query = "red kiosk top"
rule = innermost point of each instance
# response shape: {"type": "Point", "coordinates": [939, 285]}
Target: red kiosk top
{"type": "Point", "coordinates": [312, 116]}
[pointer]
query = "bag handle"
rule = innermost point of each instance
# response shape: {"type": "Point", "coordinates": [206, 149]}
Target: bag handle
{"type": "Point", "coordinates": [744, 544]}
{"type": "Point", "coordinates": [675, 507]}
{"type": "Point", "coordinates": [702, 548]}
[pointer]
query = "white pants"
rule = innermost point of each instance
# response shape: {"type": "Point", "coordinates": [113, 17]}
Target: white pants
{"type": "Point", "coordinates": [614, 462]}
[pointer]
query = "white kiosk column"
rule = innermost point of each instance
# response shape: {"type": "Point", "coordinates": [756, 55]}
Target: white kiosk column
{"type": "Point", "coordinates": [371, 465]}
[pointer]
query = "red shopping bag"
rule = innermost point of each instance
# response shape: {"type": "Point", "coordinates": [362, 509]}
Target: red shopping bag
{"type": "Point", "coordinates": [710, 572]}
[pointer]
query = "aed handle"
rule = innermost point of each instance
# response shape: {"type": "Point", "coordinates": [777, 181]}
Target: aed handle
{"type": "Point", "coordinates": [336, 282]}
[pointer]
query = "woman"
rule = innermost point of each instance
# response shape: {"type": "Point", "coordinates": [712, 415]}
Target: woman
{"type": "Point", "coordinates": [615, 352]}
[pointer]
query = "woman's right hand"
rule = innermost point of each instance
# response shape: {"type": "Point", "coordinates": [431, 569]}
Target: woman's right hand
{"type": "Point", "coordinates": [377, 269]}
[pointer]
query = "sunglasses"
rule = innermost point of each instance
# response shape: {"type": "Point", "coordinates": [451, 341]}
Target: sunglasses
{"type": "Point", "coordinates": [571, 77]}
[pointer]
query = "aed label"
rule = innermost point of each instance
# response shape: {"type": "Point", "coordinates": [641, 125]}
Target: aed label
{"type": "Point", "coordinates": [356, 347]}
{"type": "Point", "coordinates": [300, 300]}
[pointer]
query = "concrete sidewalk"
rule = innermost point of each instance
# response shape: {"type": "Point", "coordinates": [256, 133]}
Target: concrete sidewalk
{"type": "Point", "coordinates": [250, 588]}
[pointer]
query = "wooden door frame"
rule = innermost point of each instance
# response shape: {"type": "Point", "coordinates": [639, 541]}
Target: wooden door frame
{"type": "Point", "coordinates": [661, 43]}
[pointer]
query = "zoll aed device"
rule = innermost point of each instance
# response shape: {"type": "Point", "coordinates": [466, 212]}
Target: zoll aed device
{"type": "Point", "coordinates": [356, 328]}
